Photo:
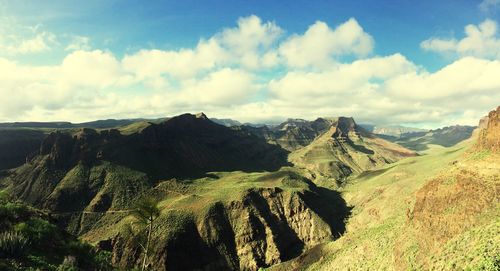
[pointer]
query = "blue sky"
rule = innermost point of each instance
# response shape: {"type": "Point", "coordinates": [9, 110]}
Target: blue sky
{"type": "Point", "coordinates": [413, 40]}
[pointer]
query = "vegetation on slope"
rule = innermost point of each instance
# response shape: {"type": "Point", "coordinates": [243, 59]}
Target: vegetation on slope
{"type": "Point", "coordinates": [343, 150]}
{"type": "Point", "coordinates": [232, 220]}
{"type": "Point", "coordinates": [30, 241]}
{"type": "Point", "coordinates": [439, 211]}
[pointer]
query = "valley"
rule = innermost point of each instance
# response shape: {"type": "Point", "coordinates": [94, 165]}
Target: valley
{"type": "Point", "coordinates": [304, 195]}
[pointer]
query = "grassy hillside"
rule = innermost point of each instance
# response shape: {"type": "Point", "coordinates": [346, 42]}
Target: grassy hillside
{"type": "Point", "coordinates": [437, 211]}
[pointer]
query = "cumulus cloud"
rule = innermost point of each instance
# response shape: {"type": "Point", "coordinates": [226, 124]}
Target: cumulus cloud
{"type": "Point", "coordinates": [391, 90]}
{"type": "Point", "coordinates": [181, 63]}
{"type": "Point", "coordinates": [480, 41]}
{"type": "Point", "coordinates": [250, 42]}
{"type": "Point", "coordinates": [319, 45]}
{"type": "Point", "coordinates": [36, 42]}
{"type": "Point", "coordinates": [345, 79]}
{"type": "Point", "coordinates": [253, 72]}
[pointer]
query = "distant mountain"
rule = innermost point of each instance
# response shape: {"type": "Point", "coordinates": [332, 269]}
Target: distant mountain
{"type": "Point", "coordinates": [397, 130]}
{"type": "Point", "coordinates": [99, 124]}
{"type": "Point", "coordinates": [330, 148]}
{"type": "Point", "coordinates": [344, 149]}
{"type": "Point", "coordinates": [226, 122]}
{"type": "Point", "coordinates": [445, 137]}
{"type": "Point", "coordinates": [291, 134]}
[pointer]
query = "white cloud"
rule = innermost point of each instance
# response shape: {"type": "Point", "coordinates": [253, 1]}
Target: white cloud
{"type": "Point", "coordinates": [223, 87]}
{"type": "Point", "coordinates": [93, 69]}
{"type": "Point", "coordinates": [464, 77]}
{"type": "Point", "coordinates": [246, 45]}
{"type": "Point", "coordinates": [182, 63]}
{"type": "Point", "coordinates": [480, 41]}
{"type": "Point", "coordinates": [250, 40]}
{"type": "Point", "coordinates": [388, 90]}
{"type": "Point", "coordinates": [36, 43]}
{"type": "Point", "coordinates": [345, 79]}
{"type": "Point", "coordinates": [252, 72]}
{"type": "Point", "coordinates": [320, 45]}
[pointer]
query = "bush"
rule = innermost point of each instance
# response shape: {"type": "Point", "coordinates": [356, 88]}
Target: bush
{"type": "Point", "coordinates": [11, 212]}
{"type": "Point", "coordinates": [40, 232]}
{"type": "Point", "coordinates": [69, 264]}
{"type": "Point", "coordinates": [12, 244]}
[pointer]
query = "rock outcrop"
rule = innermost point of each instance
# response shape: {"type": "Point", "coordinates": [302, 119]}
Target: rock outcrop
{"type": "Point", "coordinates": [489, 132]}
{"type": "Point", "coordinates": [265, 227]}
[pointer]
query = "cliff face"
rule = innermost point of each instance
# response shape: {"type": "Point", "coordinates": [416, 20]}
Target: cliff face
{"type": "Point", "coordinates": [18, 145]}
{"type": "Point", "coordinates": [265, 227]}
{"type": "Point", "coordinates": [489, 132]}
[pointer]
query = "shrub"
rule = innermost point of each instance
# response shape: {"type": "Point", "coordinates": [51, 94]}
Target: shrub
{"type": "Point", "coordinates": [12, 244]}
{"type": "Point", "coordinates": [69, 264]}
{"type": "Point", "coordinates": [39, 231]}
{"type": "Point", "coordinates": [11, 212]}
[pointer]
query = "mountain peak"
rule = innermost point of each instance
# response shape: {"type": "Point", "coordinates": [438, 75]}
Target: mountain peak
{"type": "Point", "coordinates": [201, 115]}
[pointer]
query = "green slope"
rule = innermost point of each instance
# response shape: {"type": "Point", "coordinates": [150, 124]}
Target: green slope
{"type": "Point", "coordinates": [400, 222]}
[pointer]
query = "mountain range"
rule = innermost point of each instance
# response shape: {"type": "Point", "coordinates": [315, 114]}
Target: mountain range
{"type": "Point", "coordinates": [298, 195]}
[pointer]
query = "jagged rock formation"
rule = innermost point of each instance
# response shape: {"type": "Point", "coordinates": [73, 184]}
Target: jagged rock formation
{"type": "Point", "coordinates": [346, 149]}
{"type": "Point", "coordinates": [293, 133]}
{"type": "Point", "coordinates": [265, 226]}
{"type": "Point", "coordinates": [489, 132]}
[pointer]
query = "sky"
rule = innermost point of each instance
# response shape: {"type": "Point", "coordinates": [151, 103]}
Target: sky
{"type": "Point", "coordinates": [417, 63]}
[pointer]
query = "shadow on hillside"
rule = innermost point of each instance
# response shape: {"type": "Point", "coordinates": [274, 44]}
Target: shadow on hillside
{"type": "Point", "coordinates": [360, 148]}
{"type": "Point", "coordinates": [330, 206]}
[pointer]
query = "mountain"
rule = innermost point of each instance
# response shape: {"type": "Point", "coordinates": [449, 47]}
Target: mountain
{"type": "Point", "coordinates": [319, 195]}
{"type": "Point", "coordinates": [437, 211]}
{"type": "Point", "coordinates": [99, 124]}
{"type": "Point", "coordinates": [394, 130]}
{"type": "Point", "coordinates": [226, 122]}
{"type": "Point", "coordinates": [444, 137]}
{"type": "Point", "coordinates": [291, 134]}
{"type": "Point", "coordinates": [345, 149]}
{"type": "Point", "coordinates": [185, 146]}
{"type": "Point", "coordinates": [221, 208]}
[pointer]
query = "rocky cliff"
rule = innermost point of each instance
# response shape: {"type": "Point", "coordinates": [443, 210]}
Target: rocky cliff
{"type": "Point", "coordinates": [489, 132]}
{"type": "Point", "coordinates": [265, 226]}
